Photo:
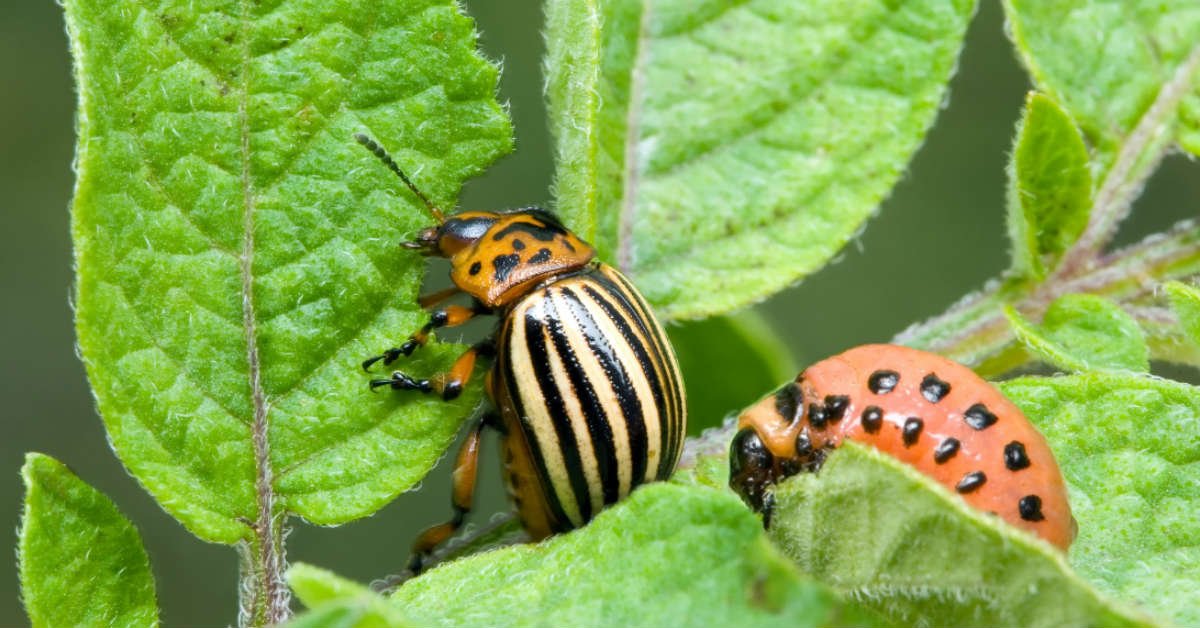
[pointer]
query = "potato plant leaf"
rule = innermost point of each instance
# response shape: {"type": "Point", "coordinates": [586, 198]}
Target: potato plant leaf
{"type": "Point", "coordinates": [1083, 332]}
{"type": "Point", "coordinates": [1185, 300]}
{"type": "Point", "coordinates": [82, 562]}
{"type": "Point", "coordinates": [669, 555]}
{"type": "Point", "coordinates": [338, 602]}
{"type": "Point", "coordinates": [721, 150]}
{"type": "Point", "coordinates": [237, 251]}
{"type": "Point", "coordinates": [1106, 62]}
{"type": "Point", "coordinates": [1049, 186]}
{"type": "Point", "coordinates": [882, 533]}
{"type": "Point", "coordinates": [1129, 447]}
{"type": "Point", "coordinates": [727, 361]}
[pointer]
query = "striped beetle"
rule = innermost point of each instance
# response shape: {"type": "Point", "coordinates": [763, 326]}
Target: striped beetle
{"type": "Point", "coordinates": [584, 387]}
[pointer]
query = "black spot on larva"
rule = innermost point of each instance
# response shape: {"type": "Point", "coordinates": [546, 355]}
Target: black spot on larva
{"type": "Point", "coordinates": [475, 268]}
{"type": "Point", "coordinates": [504, 264]}
{"type": "Point", "coordinates": [788, 401]}
{"type": "Point", "coordinates": [1015, 457]}
{"type": "Point", "coordinates": [971, 482]}
{"type": "Point", "coordinates": [979, 417]}
{"type": "Point", "coordinates": [872, 419]}
{"type": "Point", "coordinates": [817, 416]}
{"type": "Point", "coordinates": [518, 245]}
{"type": "Point", "coordinates": [933, 388]}
{"type": "Point", "coordinates": [882, 382]}
{"type": "Point", "coordinates": [946, 450]}
{"type": "Point", "coordinates": [803, 445]}
{"type": "Point", "coordinates": [912, 430]}
{"type": "Point", "coordinates": [543, 255]}
{"type": "Point", "coordinates": [835, 406]}
{"type": "Point", "coordinates": [1030, 507]}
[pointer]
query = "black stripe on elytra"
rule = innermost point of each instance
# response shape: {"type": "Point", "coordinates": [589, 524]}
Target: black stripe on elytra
{"type": "Point", "coordinates": [632, 302]}
{"type": "Point", "coordinates": [535, 447]}
{"type": "Point", "coordinates": [599, 428]}
{"type": "Point", "coordinates": [620, 383]}
{"type": "Point", "coordinates": [567, 445]}
{"type": "Point", "coordinates": [639, 439]}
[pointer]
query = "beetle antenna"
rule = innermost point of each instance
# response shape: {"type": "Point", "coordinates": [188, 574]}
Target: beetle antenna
{"type": "Point", "coordinates": [387, 160]}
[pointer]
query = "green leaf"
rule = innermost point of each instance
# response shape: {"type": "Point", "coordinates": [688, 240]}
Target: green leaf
{"type": "Point", "coordinates": [82, 562]}
{"type": "Point", "coordinates": [1185, 300]}
{"type": "Point", "coordinates": [882, 533]}
{"type": "Point", "coordinates": [1129, 447]}
{"type": "Point", "coordinates": [724, 149]}
{"type": "Point", "coordinates": [1106, 62]}
{"type": "Point", "coordinates": [336, 601]}
{"type": "Point", "coordinates": [1084, 332]}
{"type": "Point", "coordinates": [727, 362]}
{"type": "Point", "coordinates": [572, 68]}
{"type": "Point", "coordinates": [237, 251]}
{"type": "Point", "coordinates": [1049, 186]}
{"type": "Point", "coordinates": [668, 556]}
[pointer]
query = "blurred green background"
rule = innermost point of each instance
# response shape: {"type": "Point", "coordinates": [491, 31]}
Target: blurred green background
{"type": "Point", "coordinates": [939, 236]}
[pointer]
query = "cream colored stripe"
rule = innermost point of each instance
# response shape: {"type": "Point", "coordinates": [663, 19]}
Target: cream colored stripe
{"type": "Point", "coordinates": [587, 452]}
{"type": "Point", "coordinates": [626, 356]}
{"type": "Point", "coordinates": [539, 415]}
{"type": "Point", "coordinates": [665, 366]}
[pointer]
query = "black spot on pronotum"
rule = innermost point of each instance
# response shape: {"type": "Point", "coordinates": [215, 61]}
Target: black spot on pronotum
{"type": "Point", "coordinates": [835, 406]}
{"type": "Point", "coordinates": [1030, 507]}
{"type": "Point", "coordinates": [788, 401]}
{"type": "Point", "coordinates": [518, 245]}
{"type": "Point", "coordinates": [934, 388]}
{"type": "Point", "coordinates": [1015, 457]}
{"type": "Point", "coordinates": [543, 255]}
{"type": "Point", "coordinates": [979, 417]}
{"type": "Point", "coordinates": [817, 416]}
{"type": "Point", "coordinates": [882, 382]}
{"type": "Point", "coordinates": [872, 419]}
{"type": "Point", "coordinates": [475, 268]}
{"type": "Point", "coordinates": [946, 450]}
{"type": "Point", "coordinates": [971, 482]}
{"type": "Point", "coordinates": [912, 430]}
{"type": "Point", "coordinates": [504, 264]}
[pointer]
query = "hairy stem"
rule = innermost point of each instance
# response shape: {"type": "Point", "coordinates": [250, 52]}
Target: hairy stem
{"type": "Point", "coordinates": [975, 332]}
{"type": "Point", "coordinates": [265, 598]}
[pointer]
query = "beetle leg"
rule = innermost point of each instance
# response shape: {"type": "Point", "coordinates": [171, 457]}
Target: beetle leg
{"type": "Point", "coordinates": [427, 301]}
{"type": "Point", "coordinates": [449, 384]}
{"type": "Point", "coordinates": [463, 481]}
{"type": "Point", "coordinates": [449, 316]}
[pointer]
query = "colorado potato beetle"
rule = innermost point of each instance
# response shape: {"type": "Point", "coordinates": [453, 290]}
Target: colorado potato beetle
{"type": "Point", "coordinates": [930, 412]}
{"type": "Point", "coordinates": [584, 387]}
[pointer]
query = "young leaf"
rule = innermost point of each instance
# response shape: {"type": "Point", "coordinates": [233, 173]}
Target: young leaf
{"type": "Point", "coordinates": [1107, 62]}
{"type": "Point", "coordinates": [883, 533]}
{"type": "Point", "coordinates": [1129, 447]}
{"type": "Point", "coordinates": [1185, 300]}
{"type": "Point", "coordinates": [82, 562]}
{"type": "Point", "coordinates": [1083, 332]}
{"type": "Point", "coordinates": [336, 601]}
{"type": "Point", "coordinates": [1049, 186]}
{"type": "Point", "coordinates": [237, 251]}
{"type": "Point", "coordinates": [714, 185]}
{"type": "Point", "coordinates": [669, 555]}
{"type": "Point", "coordinates": [727, 362]}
